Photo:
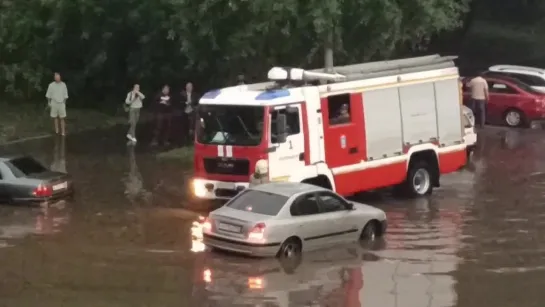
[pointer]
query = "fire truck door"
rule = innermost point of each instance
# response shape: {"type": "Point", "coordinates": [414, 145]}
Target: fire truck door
{"type": "Point", "coordinates": [286, 158]}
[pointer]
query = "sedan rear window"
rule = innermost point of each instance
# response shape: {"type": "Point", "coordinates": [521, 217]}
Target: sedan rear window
{"type": "Point", "coordinates": [25, 166]}
{"type": "Point", "coordinates": [258, 202]}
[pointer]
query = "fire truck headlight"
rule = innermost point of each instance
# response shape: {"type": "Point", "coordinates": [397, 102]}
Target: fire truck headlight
{"type": "Point", "coordinates": [198, 188]}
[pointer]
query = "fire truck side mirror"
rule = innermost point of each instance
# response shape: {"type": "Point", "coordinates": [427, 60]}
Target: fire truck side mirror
{"type": "Point", "coordinates": [281, 128]}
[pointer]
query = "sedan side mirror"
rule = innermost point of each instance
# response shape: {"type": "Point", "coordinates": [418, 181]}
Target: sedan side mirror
{"type": "Point", "coordinates": [349, 206]}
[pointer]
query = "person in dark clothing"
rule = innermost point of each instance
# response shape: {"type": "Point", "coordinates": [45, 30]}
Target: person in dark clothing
{"type": "Point", "coordinates": [241, 80]}
{"type": "Point", "coordinates": [189, 102]}
{"type": "Point", "coordinates": [163, 116]}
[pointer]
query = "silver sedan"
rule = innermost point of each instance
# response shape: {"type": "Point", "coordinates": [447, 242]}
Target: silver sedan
{"type": "Point", "coordinates": [284, 219]}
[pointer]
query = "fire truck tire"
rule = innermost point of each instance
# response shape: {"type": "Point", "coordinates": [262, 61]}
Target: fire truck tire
{"type": "Point", "coordinates": [419, 180]}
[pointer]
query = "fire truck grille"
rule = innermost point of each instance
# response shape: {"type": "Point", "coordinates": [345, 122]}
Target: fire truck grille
{"type": "Point", "coordinates": [227, 166]}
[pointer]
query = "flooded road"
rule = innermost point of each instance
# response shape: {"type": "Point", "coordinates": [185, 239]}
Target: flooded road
{"type": "Point", "coordinates": [127, 241]}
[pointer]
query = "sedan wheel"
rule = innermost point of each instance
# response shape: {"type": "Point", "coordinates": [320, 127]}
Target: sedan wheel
{"type": "Point", "coordinates": [369, 232]}
{"type": "Point", "coordinates": [290, 249]}
{"type": "Point", "coordinates": [514, 118]}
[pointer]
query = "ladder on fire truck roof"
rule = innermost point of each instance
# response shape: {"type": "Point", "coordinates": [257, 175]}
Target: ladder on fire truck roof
{"type": "Point", "coordinates": [394, 67]}
{"type": "Point", "coordinates": [363, 70]}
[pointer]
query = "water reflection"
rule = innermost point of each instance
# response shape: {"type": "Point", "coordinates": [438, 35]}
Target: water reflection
{"type": "Point", "coordinates": [327, 278]}
{"type": "Point", "coordinates": [134, 186]}
{"type": "Point", "coordinates": [18, 223]}
{"type": "Point", "coordinates": [423, 241]}
{"type": "Point", "coordinates": [197, 245]}
{"type": "Point", "coordinates": [59, 155]}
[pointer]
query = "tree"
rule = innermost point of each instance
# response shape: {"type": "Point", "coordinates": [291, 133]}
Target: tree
{"type": "Point", "coordinates": [102, 46]}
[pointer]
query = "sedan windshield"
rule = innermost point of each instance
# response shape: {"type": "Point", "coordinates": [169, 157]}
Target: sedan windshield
{"type": "Point", "coordinates": [258, 202]}
{"type": "Point", "coordinates": [230, 125]}
{"type": "Point", "coordinates": [25, 166]}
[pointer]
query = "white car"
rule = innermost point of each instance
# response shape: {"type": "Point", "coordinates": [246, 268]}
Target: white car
{"type": "Point", "coordinates": [285, 218]}
{"type": "Point", "coordinates": [534, 77]}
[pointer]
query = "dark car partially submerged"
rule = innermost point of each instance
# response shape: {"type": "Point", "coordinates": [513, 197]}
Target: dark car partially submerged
{"type": "Point", "coordinates": [23, 179]}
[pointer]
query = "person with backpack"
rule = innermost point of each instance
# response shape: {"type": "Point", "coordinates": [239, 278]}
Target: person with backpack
{"type": "Point", "coordinates": [133, 104]}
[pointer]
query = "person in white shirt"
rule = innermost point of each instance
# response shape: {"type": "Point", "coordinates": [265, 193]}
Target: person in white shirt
{"type": "Point", "coordinates": [479, 97]}
{"type": "Point", "coordinates": [56, 95]}
{"type": "Point", "coordinates": [189, 101]}
{"type": "Point", "coordinates": [134, 103]}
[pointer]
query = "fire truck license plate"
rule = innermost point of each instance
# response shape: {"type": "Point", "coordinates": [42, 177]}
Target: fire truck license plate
{"type": "Point", "coordinates": [227, 227]}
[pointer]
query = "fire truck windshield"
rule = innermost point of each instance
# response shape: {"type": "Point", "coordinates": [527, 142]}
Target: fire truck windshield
{"type": "Point", "coordinates": [230, 125]}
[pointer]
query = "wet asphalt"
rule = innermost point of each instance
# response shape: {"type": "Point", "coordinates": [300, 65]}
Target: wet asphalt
{"type": "Point", "coordinates": [127, 239]}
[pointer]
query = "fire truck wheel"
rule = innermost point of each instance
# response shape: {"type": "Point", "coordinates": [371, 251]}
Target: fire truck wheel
{"type": "Point", "coordinates": [419, 180]}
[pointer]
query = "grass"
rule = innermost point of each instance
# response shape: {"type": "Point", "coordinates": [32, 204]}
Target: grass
{"type": "Point", "coordinates": [182, 154]}
{"type": "Point", "coordinates": [27, 120]}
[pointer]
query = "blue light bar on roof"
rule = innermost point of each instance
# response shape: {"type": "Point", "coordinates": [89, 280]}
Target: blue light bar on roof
{"type": "Point", "coordinates": [273, 94]}
{"type": "Point", "coordinates": [211, 94]}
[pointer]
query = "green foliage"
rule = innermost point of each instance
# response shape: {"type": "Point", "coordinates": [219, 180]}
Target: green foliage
{"type": "Point", "coordinates": [101, 47]}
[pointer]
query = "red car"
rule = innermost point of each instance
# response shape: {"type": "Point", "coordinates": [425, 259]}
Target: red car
{"type": "Point", "coordinates": [512, 102]}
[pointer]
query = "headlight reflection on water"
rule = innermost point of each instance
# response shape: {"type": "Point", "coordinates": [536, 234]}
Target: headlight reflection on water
{"type": "Point", "coordinates": [207, 276]}
{"type": "Point", "coordinates": [197, 245]}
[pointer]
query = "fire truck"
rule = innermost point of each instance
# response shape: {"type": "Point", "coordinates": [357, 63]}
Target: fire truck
{"type": "Point", "coordinates": [363, 127]}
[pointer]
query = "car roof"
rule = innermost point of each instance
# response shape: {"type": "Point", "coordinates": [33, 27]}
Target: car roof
{"type": "Point", "coordinates": [507, 68]}
{"type": "Point", "coordinates": [288, 189]}
{"type": "Point", "coordinates": [499, 77]}
{"type": "Point", "coordinates": [11, 157]}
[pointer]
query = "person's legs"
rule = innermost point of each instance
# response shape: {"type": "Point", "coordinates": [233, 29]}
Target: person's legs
{"type": "Point", "coordinates": [191, 127]}
{"type": "Point", "coordinates": [62, 116]}
{"type": "Point", "coordinates": [54, 113]}
{"type": "Point", "coordinates": [130, 121]}
{"type": "Point", "coordinates": [158, 127]}
{"type": "Point", "coordinates": [136, 120]}
{"type": "Point", "coordinates": [482, 112]}
{"type": "Point", "coordinates": [168, 126]}
{"type": "Point", "coordinates": [184, 126]}
{"type": "Point", "coordinates": [473, 107]}
{"type": "Point", "coordinates": [133, 120]}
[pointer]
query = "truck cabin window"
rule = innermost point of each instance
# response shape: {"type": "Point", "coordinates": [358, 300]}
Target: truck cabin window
{"type": "Point", "coordinates": [339, 109]}
{"type": "Point", "coordinates": [292, 122]}
{"type": "Point", "coordinates": [230, 125]}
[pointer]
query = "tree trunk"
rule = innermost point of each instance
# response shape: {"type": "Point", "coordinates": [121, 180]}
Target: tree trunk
{"type": "Point", "coordinates": [328, 53]}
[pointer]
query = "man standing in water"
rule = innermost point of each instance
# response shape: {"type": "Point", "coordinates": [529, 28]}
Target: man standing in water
{"type": "Point", "coordinates": [189, 101]}
{"type": "Point", "coordinates": [56, 95]}
{"type": "Point", "coordinates": [479, 98]}
{"type": "Point", "coordinates": [163, 117]}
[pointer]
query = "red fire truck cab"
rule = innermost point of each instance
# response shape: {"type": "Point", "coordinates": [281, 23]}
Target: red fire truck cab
{"type": "Point", "coordinates": [372, 125]}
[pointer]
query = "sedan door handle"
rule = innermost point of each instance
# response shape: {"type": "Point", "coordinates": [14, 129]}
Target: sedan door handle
{"type": "Point", "coordinates": [302, 156]}
{"type": "Point", "coordinates": [353, 150]}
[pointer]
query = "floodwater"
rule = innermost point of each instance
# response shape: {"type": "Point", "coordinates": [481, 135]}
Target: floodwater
{"type": "Point", "coordinates": [126, 239]}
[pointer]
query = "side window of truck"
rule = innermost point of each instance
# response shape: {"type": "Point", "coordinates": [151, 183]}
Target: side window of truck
{"type": "Point", "coordinates": [338, 107]}
{"type": "Point", "coordinates": [292, 119]}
